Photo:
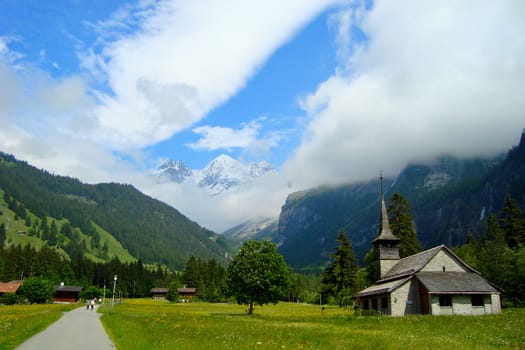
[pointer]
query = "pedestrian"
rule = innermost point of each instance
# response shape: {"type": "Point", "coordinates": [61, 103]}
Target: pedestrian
{"type": "Point", "coordinates": [92, 304]}
{"type": "Point", "coordinates": [87, 304]}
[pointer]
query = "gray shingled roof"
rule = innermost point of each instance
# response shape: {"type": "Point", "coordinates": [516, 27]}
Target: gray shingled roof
{"type": "Point", "coordinates": [64, 288]}
{"type": "Point", "coordinates": [382, 288]}
{"type": "Point", "coordinates": [412, 263]}
{"type": "Point", "coordinates": [454, 282]}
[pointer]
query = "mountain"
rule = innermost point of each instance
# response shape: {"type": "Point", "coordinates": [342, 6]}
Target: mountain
{"type": "Point", "coordinates": [220, 175]}
{"type": "Point", "coordinates": [449, 198]}
{"type": "Point", "coordinates": [175, 171]}
{"type": "Point", "coordinates": [94, 214]}
{"type": "Point", "coordinates": [256, 228]}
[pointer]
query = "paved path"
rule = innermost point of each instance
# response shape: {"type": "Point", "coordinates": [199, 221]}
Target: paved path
{"type": "Point", "coordinates": [79, 329]}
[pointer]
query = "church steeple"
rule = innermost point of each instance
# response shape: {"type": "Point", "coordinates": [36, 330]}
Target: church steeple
{"type": "Point", "coordinates": [385, 243]}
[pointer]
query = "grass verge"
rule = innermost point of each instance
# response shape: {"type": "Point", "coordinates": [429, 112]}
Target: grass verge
{"type": "Point", "coordinates": [161, 325]}
{"type": "Point", "coordinates": [21, 322]}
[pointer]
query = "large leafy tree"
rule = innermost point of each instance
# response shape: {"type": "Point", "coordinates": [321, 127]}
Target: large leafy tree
{"type": "Point", "coordinates": [37, 290]}
{"type": "Point", "coordinates": [339, 278]}
{"type": "Point", "coordinates": [402, 225]}
{"type": "Point", "coordinates": [258, 275]}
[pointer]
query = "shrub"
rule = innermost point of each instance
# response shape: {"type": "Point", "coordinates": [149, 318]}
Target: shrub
{"type": "Point", "coordinates": [9, 298]}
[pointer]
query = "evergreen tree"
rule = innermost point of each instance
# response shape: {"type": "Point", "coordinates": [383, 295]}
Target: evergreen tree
{"type": "Point", "coordinates": [339, 278]}
{"type": "Point", "coordinates": [3, 234]}
{"type": "Point", "coordinates": [495, 256]}
{"type": "Point", "coordinates": [512, 223]}
{"type": "Point", "coordinates": [402, 226]}
{"type": "Point", "coordinates": [53, 231]}
{"type": "Point", "coordinates": [194, 274]}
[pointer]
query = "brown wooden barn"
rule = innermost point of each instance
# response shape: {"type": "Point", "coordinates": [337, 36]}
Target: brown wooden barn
{"type": "Point", "coordinates": [186, 294]}
{"type": "Point", "coordinates": [67, 294]}
{"type": "Point", "coordinates": [158, 293]}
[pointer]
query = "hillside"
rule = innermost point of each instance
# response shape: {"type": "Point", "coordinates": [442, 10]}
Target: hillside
{"type": "Point", "coordinates": [108, 214]}
{"type": "Point", "coordinates": [449, 198]}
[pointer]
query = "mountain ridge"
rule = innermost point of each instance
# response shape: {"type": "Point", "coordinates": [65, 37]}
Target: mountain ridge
{"type": "Point", "coordinates": [218, 176]}
{"type": "Point", "coordinates": [148, 228]}
{"type": "Point", "coordinates": [448, 197]}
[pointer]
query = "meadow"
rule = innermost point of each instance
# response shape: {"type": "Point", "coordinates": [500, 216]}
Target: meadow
{"type": "Point", "coordinates": [20, 322]}
{"type": "Point", "coordinates": [146, 324]}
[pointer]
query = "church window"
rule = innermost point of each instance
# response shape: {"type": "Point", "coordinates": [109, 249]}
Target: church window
{"type": "Point", "coordinates": [445, 300]}
{"type": "Point", "coordinates": [477, 300]}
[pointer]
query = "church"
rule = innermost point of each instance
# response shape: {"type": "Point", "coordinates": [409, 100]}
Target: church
{"type": "Point", "coordinates": [435, 281]}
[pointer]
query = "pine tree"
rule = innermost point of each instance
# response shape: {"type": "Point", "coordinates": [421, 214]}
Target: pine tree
{"type": "Point", "coordinates": [339, 278]}
{"type": "Point", "coordinates": [512, 223]}
{"type": "Point", "coordinates": [402, 226]}
{"type": "Point", "coordinates": [495, 255]}
{"type": "Point", "coordinates": [2, 235]}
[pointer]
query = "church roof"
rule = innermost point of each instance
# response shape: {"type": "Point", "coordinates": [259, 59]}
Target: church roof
{"type": "Point", "coordinates": [385, 233]}
{"type": "Point", "coordinates": [455, 282]}
{"type": "Point", "coordinates": [382, 288]}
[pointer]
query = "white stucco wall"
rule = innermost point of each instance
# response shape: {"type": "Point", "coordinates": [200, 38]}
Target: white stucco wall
{"type": "Point", "coordinates": [443, 259]}
{"type": "Point", "coordinates": [462, 305]}
{"type": "Point", "coordinates": [405, 299]}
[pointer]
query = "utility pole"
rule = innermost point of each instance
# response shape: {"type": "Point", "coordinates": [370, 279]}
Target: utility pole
{"type": "Point", "coordinates": [114, 285]}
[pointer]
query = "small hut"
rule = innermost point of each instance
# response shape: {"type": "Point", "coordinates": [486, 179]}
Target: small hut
{"type": "Point", "coordinates": [158, 293]}
{"type": "Point", "coordinates": [67, 294]}
{"type": "Point", "coordinates": [186, 294]}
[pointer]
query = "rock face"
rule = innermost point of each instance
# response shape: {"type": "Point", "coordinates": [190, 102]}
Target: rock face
{"type": "Point", "coordinates": [449, 198]}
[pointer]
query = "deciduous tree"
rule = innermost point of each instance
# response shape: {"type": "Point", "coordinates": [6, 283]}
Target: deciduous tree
{"type": "Point", "coordinates": [37, 290]}
{"type": "Point", "coordinates": [258, 275]}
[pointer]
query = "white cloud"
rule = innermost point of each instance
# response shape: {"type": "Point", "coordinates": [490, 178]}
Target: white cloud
{"type": "Point", "coordinates": [217, 137]}
{"type": "Point", "coordinates": [263, 197]}
{"type": "Point", "coordinates": [189, 57]}
{"type": "Point", "coordinates": [434, 77]}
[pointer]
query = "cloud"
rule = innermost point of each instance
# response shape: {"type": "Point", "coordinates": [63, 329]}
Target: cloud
{"type": "Point", "coordinates": [217, 137]}
{"type": "Point", "coordinates": [156, 69]}
{"type": "Point", "coordinates": [188, 58]}
{"type": "Point", "coordinates": [226, 210]}
{"type": "Point", "coordinates": [431, 78]}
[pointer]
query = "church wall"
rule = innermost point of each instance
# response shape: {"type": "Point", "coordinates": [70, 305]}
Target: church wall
{"type": "Point", "coordinates": [443, 259]}
{"type": "Point", "coordinates": [405, 300]}
{"type": "Point", "coordinates": [462, 305]}
{"type": "Point", "coordinates": [495, 304]}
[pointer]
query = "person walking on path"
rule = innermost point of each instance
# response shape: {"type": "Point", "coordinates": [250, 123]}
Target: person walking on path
{"type": "Point", "coordinates": [77, 329]}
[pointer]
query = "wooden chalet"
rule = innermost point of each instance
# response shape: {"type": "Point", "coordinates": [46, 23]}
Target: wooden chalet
{"type": "Point", "coordinates": [158, 293]}
{"type": "Point", "coordinates": [186, 294]}
{"type": "Point", "coordinates": [67, 294]}
{"type": "Point", "coordinates": [10, 287]}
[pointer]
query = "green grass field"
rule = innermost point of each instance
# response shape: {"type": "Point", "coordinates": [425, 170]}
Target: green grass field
{"type": "Point", "coordinates": [20, 322]}
{"type": "Point", "coordinates": [145, 324]}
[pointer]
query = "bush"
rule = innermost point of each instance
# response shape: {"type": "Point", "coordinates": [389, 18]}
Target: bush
{"type": "Point", "coordinates": [91, 292]}
{"type": "Point", "coordinates": [9, 298]}
{"type": "Point", "coordinates": [37, 290]}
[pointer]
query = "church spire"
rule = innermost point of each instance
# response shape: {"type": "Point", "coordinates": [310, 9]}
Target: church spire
{"type": "Point", "coordinates": [385, 243]}
{"type": "Point", "coordinates": [385, 234]}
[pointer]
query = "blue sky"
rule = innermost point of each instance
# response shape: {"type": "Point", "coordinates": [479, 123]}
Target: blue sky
{"type": "Point", "coordinates": [328, 91]}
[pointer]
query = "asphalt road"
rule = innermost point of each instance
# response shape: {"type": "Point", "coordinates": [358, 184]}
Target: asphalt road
{"type": "Point", "coordinates": [79, 329]}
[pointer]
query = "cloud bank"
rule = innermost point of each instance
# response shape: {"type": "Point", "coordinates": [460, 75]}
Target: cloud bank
{"type": "Point", "coordinates": [432, 77]}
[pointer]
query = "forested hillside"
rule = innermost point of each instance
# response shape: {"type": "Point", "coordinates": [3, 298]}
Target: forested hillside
{"type": "Point", "coordinates": [448, 198]}
{"type": "Point", "coordinates": [61, 210]}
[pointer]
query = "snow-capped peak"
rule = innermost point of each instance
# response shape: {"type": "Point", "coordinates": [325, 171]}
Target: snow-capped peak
{"type": "Point", "coordinates": [221, 174]}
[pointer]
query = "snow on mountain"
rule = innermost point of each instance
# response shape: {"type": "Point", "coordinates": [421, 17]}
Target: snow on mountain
{"type": "Point", "coordinates": [171, 170]}
{"type": "Point", "coordinates": [220, 175]}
